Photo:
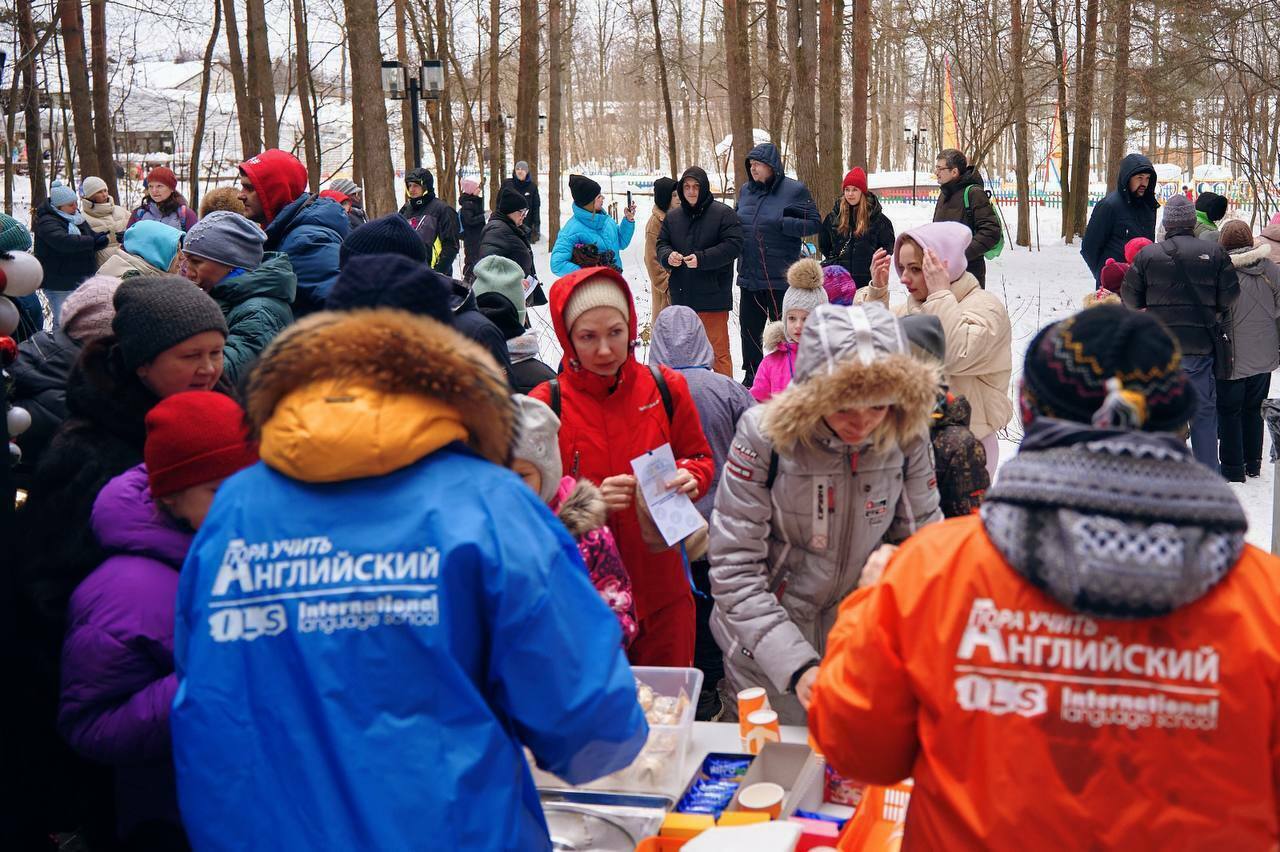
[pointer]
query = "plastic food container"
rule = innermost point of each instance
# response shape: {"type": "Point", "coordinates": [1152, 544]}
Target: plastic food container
{"type": "Point", "coordinates": [659, 769]}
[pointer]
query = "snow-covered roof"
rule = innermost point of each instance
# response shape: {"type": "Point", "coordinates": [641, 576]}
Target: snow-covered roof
{"type": "Point", "coordinates": [758, 137]}
{"type": "Point", "coordinates": [897, 180]}
{"type": "Point", "coordinates": [1168, 172]}
{"type": "Point", "coordinates": [164, 75]}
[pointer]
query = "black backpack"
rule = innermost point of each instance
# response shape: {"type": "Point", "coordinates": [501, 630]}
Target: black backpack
{"type": "Point", "coordinates": [663, 390]}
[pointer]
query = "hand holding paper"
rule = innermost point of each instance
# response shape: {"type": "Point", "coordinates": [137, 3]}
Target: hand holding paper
{"type": "Point", "coordinates": [665, 489]}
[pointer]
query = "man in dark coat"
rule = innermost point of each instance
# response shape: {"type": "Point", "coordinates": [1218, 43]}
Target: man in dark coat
{"type": "Point", "coordinates": [522, 181]}
{"type": "Point", "coordinates": [1188, 283]}
{"type": "Point", "coordinates": [435, 221]}
{"type": "Point", "coordinates": [1127, 212]}
{"type": "Point", "coordinates": [776, 212]}
{"type": "Point", "coordinates": [504, 233]}
{"type": "Point", "coordinates": [698, 242]}
{"type": "Point", "coordinates": [471, 216]}
{"type": "Point", "coordinates": [964, 199]}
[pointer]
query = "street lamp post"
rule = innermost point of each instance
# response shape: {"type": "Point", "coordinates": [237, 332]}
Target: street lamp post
{"type": "Point", "coordinates": [915, 137]}
{"type": "Point", "coordinates": [426, 81]}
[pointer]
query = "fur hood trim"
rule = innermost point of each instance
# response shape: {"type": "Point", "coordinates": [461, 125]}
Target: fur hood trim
{"type": "Point", "coordinates": [775, 334]}
{"type": "Point", "coordinates": [583, 510]}
{"type": "Point", "coordinates": [394, 352]}
{"type": "Point", "coordinates": [1247, 257]}
{"type": "Point", "coordinates": [795, 416]}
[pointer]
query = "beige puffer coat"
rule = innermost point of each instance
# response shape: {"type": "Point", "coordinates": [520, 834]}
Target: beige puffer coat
{"type": "Point", "coordinates": [110, 219]}
{"type": "Point", "coordinates": [784, 557]}
{"type": "Point", "coordinates": [979, 361]}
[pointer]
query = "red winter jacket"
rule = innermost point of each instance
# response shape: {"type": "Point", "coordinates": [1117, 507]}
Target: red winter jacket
{"type": "Point", "coordinates": [607, 422]}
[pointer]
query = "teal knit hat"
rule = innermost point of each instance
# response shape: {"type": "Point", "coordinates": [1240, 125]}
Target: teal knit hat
{"type": "Point", "coordinates": [14, 235]}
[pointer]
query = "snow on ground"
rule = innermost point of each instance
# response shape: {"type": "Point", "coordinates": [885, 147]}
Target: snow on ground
{"type": "Point", "coordinates": [1037, 287]}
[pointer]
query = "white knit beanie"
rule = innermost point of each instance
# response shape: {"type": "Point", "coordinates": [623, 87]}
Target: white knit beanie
{"type": "Point", "coordinates": [538, 442]}
{"type": "Point", "coordinates": [92, 186]}
{"type": "Point", "coordinates": [596, 292]}
{"type": "Point", "coordinates": [804, 291]}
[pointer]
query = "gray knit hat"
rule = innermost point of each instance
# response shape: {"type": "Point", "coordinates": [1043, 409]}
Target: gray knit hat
{"type": "Point", "coordinates": [804, 287]}
{"type": "Point", "coordinates": [538, 442]}
{"type": "Point", "coordinates": [153, 314]}
{"type": "Point", "coordinates": [1179, 215]}
{"type": "Point", "coordinates": [227, 238]}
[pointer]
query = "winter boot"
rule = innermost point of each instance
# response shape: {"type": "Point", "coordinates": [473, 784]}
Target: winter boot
{"type": "Point", "coordinates": [1233, 472]}
{"type": "Point", "coordinates": [1254, 468]}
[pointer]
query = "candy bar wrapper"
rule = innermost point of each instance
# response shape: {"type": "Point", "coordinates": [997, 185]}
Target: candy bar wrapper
{"type": "Point", "coordinates": [840, 790]}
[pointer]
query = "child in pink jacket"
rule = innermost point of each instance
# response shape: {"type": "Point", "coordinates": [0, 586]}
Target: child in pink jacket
{"type": "Point", "coordinates": [804, 293]}
{"type": "Point", "coordinates": [577, 503]}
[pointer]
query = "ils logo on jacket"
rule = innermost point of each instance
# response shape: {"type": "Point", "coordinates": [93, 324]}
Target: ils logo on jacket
{"type": "Point", "coordinates": [328, 589]}
{"type": "Point", "coordinates": [1032, 663]}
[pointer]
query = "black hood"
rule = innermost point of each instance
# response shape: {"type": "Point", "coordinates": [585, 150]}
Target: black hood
{"type": "Point", "coordinates": [1136, 164]}
{"type": "Point", "coordinates": [968, 177]}
{"type": "Point", "coordinates": [704, 191]}
{"type": "Point", "coordinates": [498, 309]}
{"type": "Point", "coordinates": [768, 154]}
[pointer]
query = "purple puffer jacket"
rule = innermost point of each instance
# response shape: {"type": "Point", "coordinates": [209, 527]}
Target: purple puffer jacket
{"type": "Point", "coordinates": [117, 661]}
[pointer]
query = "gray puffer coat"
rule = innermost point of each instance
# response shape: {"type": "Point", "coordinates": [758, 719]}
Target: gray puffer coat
{"type": "Point", "coordinates": [784, 557]}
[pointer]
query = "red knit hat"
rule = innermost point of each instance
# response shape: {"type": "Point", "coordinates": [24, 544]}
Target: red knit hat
{"type": "Point", "coordinates": [164, 175]}
{"type": "Point", "coordinates": [856, 177]}
{"type": "Point", "coordinates": [339, 197]}
{"type": "Point", "coordinates": [278, 177]}
{"type": "Point", "coordinates": [1112, 275]}
{"type": "Point", "coordinates": [195, 437]}
{"type": "Point", "coordinates": [1134, 246]}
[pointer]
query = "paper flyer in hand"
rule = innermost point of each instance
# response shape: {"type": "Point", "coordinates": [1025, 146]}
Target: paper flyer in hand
{"type": "Point", "coordinates": [672, 511]}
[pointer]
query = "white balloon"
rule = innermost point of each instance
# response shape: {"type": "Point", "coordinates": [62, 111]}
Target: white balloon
{"type": "Point", "coordinates": [19, 421]}
{"type": "Point", "coordinates": [23, 274]}
{"type": "Point", "coordinates": [9, 317]}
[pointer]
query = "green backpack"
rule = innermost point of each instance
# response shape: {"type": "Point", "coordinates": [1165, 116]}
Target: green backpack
{"type": "Point", "coordinates": [996, 250]}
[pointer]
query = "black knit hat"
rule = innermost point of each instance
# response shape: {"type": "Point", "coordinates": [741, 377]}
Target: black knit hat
{"type": "Point", "coordinates": [662, 189]}
{"type": "Point", "coordinates": [511, 201]}
{"type": "Point", "coordinates": [1212, 205]}
{"type": "Point", "coordinates": [1110, 367]}
{"type": "Point", "coordinates": [584, 190]}
{"type": "Point", "coordinates": [391, 281]}
{"type": "Point", "coordinates": [925, 333]}
{"type": "Point", "coordinates": [388, 235]}
{"type": "Point", "coordinates": [153, 314]}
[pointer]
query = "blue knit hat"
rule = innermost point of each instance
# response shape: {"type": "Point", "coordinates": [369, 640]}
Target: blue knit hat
{"type": "Point", "coordinates": [390, 234]}
{"type": "Point", "coordinates": [391, 281]}
{"type": "Point", "coordinates": [60, 195]}
{"type": "Point", "coordinates": [154, 242]}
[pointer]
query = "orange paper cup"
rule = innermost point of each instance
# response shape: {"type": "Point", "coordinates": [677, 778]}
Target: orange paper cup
{"type": "Point", "coordinates": [762, 727]}
{"type": "Point", "coordinates": [749, 701]}
{"type": "Point", "coordinates": [764, 798]}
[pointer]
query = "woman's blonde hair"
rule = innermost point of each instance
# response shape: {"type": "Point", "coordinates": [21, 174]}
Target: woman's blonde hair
{"type": "Point", "coordinates": [861, 222]}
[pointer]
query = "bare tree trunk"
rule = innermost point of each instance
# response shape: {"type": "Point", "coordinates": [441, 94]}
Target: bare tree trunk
{"type": "Point", "coordinates": [829, 160]}
{"type": "Point", "coordinates": [406, 117]}
{"type": "Point", "coordinates": [525, 144]}
{"type": "Point", "coordinates": [806, 130]}
{"type": "Point", "coordinates": [1022, 154]}
{"type": "Point", "coordinates": [776, 75]}
{"type": "Point", "coordinates": [261, 76]}
{"type": "Point", "coordinates": [861, 82]}
{"type": "Point", "coordinates": [448, 188]}
{"type": "Point", "coordinates": [102, 95]}
{"type": "Point", "coordinates": [31, 98]}
{"type": "Point", "coordinates": [310, 141]}
{"type": "Point", "coordinates": [1064, 139]}
{"type": "Point", "coordinates": [78, 85]}
{"type": "Point", "coordinates": [248, 112]}
{"type": "Point", "coordinates": [1119, 90]}
{"type": "Point", "coordinates": [370, 120]}
{"type": "Point", "coordinates": [202, 110]}
{"type": "Point", "coordinates": [555, 117]}
{"type": "Point", "coordinates": [674, 167]}
{"type": "Point", "coordinates": [1084, 122]}
{"type": "Point", "coordinates": [495, 107]}
{"type": "Point", "coordinates": [738, 76]}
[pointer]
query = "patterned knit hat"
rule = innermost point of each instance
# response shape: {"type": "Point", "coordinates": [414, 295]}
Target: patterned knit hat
{"type": "Point", "coordinates": [1235, 236]}
{"type": "Point", "coordinates": [88, 311]}
{"type": "Point", "coordinates": [14, 236]}
{"type": "Point", "coordinates": [1179, 215]}
{"type": "Point", "coordinates": [839, 284]}
{"type": "Point", "coordinates": [1110, 367]}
